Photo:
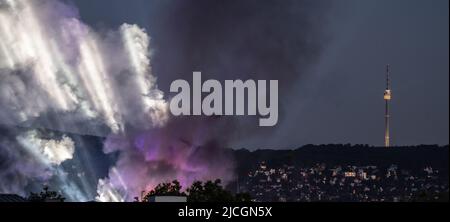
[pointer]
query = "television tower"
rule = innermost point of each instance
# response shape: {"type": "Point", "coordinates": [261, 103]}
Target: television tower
{"type": "Point", "coordinates": [387, 98]}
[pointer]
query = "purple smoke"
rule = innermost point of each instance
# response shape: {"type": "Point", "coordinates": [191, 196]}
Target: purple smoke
{"type": "Point", "coordinates": [185, 149]}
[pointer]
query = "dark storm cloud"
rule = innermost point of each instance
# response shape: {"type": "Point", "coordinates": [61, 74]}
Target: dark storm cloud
{"type": "Point", "coordinates": [244, 40]}
{"type": "Point", "coordinates": [339, 100]}
{"type": "Point", "coordinates": [227, 39]}
{"type": "Point", "coordinates": [223, 39]}
{"type": "Point", "coordinates": [239, 39]}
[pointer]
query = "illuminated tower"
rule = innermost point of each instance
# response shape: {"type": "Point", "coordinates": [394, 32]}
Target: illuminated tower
{"type": "Point", "coordinates": [387, 98]}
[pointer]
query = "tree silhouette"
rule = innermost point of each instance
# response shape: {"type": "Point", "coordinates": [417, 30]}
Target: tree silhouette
{"type": "Point", "coordinates": [209, 192]}
{"type": "Point", "coordinates": [165, 189]}
{"type": "Point", "coordinates": [46, 196]}
{"type": "Point", "coordinates": [198, 192]}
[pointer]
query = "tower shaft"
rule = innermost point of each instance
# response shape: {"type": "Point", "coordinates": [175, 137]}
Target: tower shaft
{"type": "Point", "coordinates": [387, 98]}
{"type": "Point", "coordinates": [386, 123]}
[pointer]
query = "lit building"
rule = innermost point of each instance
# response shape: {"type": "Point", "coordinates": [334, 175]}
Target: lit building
{"type": "Point", "coordinates": [168, 199]}
{"type": "Point", "coordinates": [350, 174]}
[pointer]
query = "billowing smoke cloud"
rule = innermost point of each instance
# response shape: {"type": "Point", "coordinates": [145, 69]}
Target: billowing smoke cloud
{"type": "Point", "coordinates": [240, 39]}
{"type": "Point", "coordinates": [19, 167]}
{"type": "Point", "coordinates": [185, 149]}
{"type": "Point", "coordinates": [53, 63]}
{"type": "Point", "coordinates": [29, 159]}
{"type": "Point", "coordinates": [60, 74]}
{"type": "Point", "coordinates": [51, 151]}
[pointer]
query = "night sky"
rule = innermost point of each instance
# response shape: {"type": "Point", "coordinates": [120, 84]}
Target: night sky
{"type": "Point", "coordinates": [331, 80]}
